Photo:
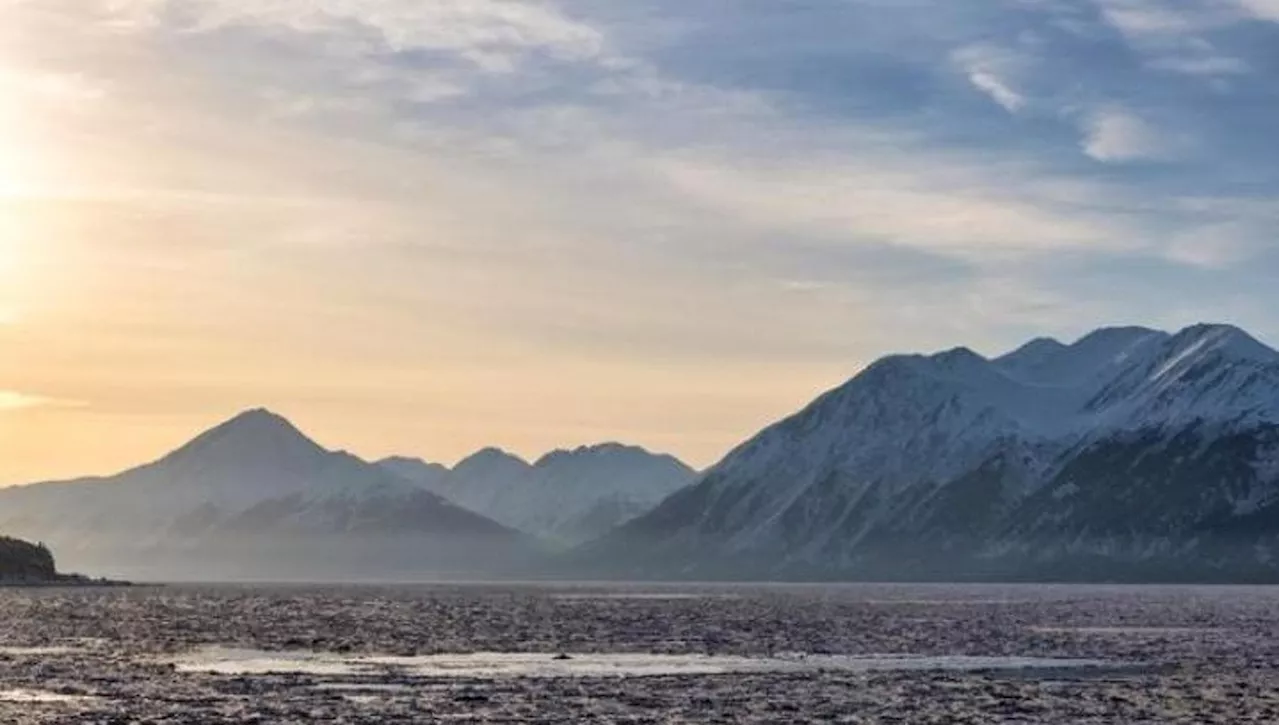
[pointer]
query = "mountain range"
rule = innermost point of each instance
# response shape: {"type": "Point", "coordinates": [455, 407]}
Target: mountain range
{"type": "Point", "coordinates": [1128, 454]}
{"type": "Point", "coordinates": [565, 497]}
{"type": "Point", "coordinates": [255, 498]}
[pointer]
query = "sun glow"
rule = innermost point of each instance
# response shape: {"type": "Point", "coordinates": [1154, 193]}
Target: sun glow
{"type": "Point", "coordinates": [8, 248]}
{"type": "Point", "coordinates": [21, 160]}
{"type": "Point", "coordinates": [11, 225]}
{"type": "Point", "coordinates": [10, 242]}
{"type": "Point", "coordinates": [11, 245]}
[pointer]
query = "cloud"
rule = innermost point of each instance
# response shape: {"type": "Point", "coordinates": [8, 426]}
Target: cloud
{"type": "Point", "coordinates": [1216, 246]}
{"type": "Point", "coordinates": [951, 208]}
{"type": "Point", "coordinates": [1261, 9]}
{"type": "Point", "coordinates": [1206, 65]}
{"type": "Point", "coordinates": [1222, 233]}
{"type": "Point", "coordinates": [66, 88]}
{"type": "Point", "coordinates": [1176, 36]}
{"type": "Point", "coordinates": [490, 33]}
{"type": "Point", "coordinates": [1115, 135]}
{"type": "Point", "coordinates": [1143, 21]}
{"type": "Point", "coordinates": [1002, 94]}
{"type": "Point", "coordinates": [984, 65]}
{"type": "Point", "coordinates": [1139, 19]}
{"type": "Point", "coordinates": [11, 400]}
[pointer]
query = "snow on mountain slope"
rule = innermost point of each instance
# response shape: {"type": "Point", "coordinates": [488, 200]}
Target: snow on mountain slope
{"type": "Point", "coordinates": [428, 475]}
{"type": "Point", "coordinates": [565, 496]}
{"type": "Point", "coordinates": [483, 480]}
{"type": "Point", "coordinates": [873, 470]}
{"type": "Point", "coordinates": [1047, 361]}
{"type": "Point", "coordinates": [253, 477]}
{"type": "Point", "coordinates": [580, 494]}
{"type": "Point", "coordinates": [1211, 373]}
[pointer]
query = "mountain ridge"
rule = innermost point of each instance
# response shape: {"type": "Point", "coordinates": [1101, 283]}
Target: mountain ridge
{"type": "Point", "coordinates": [566, 495]}
{"type": "Point", "coordinates": [253, 495]}
{"type": "Point", "coordinates": [864, 480]}
{"type": "Point", "coordinates": [1130, 453]}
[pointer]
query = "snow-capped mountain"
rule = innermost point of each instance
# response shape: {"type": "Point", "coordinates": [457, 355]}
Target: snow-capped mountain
{"type": "Point", "coordinates": [1129, 453]}
{"type": "Point", "coordinates": [566, 496]}
{"type": "Point", "coordinates": [255, 497]}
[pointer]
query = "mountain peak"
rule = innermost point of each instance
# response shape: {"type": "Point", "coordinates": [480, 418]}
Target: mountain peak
{"type": "Point", "coordinates": [1033, 352]}
{"type": "Point", "coordinates": [958, 357]}
{"type": "Point", "coordinates": [1118, 448]}
{"type": "Point", "coordinates": [253, 436]}
{"type": "Point", "coordinates": [261, 422]}
{"type": "Point", "coordinates": [1117, 336]}
{"type": "Point", "coordinates": [608, 448]}
{"type": "Point", "coordinates": [491, 458]}
{"type": "Point", "coordinates": [1228, 339]}
{"type": "Point", "coordinates": [258, 416]}
{"type": "Point", "coordinates": [407, 461]}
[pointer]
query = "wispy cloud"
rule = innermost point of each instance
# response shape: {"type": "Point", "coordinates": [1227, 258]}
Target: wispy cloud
{"type": "Point", "coordinates": [1261, 9]}
{"type": "Point", "coordinates": [951, 208]}
{"type": "Point", "coordinates": [52, 86]}
{"type": "Point", "coordinates": [1176, 36]}
{"type": "Point", "coordinates": [491, 33]}
{"type": "Point", "coordinates": [495, 36]}
{"type": "Point", "coordinates": [1118, 135]}
{"type": "Point", "coordinates": [11, 400]}
{"type": "Point", "coordinates": [1214, 247]}
{"type": "Point", "coordinates": [1141, 20]}
{"type": "Point", "coordinates": [1203, 65]}
{"type": "Point", "coordinates": [985, 68]}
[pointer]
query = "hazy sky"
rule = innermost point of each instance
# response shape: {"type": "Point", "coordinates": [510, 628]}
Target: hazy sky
{"type": "Point", "coordinates": [424, 226]}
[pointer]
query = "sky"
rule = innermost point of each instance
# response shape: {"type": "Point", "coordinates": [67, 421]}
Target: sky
{"type": "Point", "coordinates": [426, 227]}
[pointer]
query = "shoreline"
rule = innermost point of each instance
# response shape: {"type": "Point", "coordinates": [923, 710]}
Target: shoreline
{"type": "Point", "coordinates": [64, 580]}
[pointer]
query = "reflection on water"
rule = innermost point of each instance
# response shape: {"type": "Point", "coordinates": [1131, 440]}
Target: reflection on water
{"type": "Point", "coordinates": [656, 596]}
{"type": "Point", "coordinates": [37, 651]}
{"type": "Point", "coordinates": [1139, 631]}
{"type": "Point", "coordinates": [484, 665]}
{"type": "Point", "coordinates": [34, 696]}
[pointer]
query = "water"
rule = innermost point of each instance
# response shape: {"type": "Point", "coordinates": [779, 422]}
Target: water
{"type": "Point", "coordinates": [486, 665]}
{"type": "Point", "coordinates": [638, 652]}
{"type": "Point", "coordinates": [24, 695]}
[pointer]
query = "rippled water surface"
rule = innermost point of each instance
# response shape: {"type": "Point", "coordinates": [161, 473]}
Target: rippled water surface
{"type": "Point", "coordinates": [639, 653]}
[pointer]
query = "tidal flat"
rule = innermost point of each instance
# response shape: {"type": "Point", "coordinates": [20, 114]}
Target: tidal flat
{"type": "Point", "coordinates": [639, 653]}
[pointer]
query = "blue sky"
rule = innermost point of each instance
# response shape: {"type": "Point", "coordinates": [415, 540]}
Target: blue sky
{"type": "Point", "coordinates": [671, 221]}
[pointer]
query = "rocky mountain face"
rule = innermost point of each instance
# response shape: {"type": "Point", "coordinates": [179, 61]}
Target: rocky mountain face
{"type": "Point", "coordinates": [565, 497]}
{"type": "Point", "coordinates": [255, 498]}
{"type": "Point", "coordinates": [1129, 454]}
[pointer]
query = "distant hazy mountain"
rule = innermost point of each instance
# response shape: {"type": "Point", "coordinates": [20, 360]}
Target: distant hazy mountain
{"type": "Point", "coordinates": [254, 497]}
{"type": "Point", "coordinates": [417, 470]}
{"type": "Point", "coordinates": [565, 496]}
{"type": "Point", "coordinates": [1131, 453]}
